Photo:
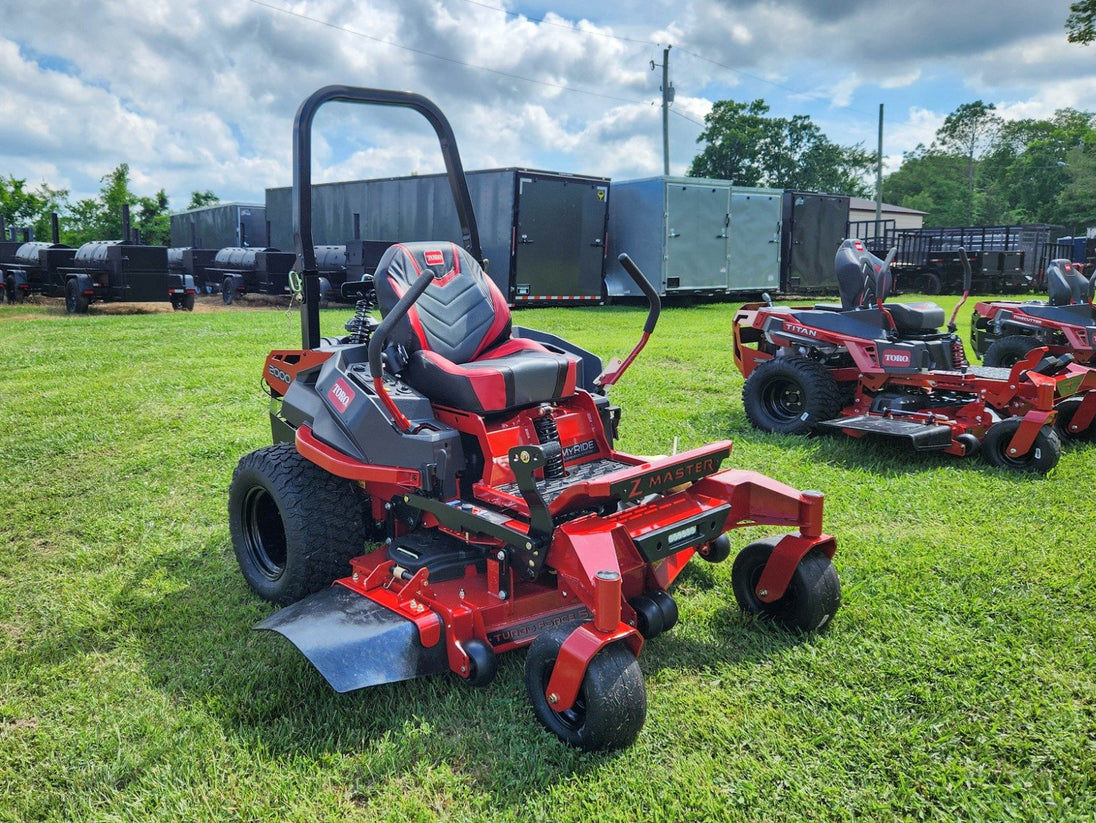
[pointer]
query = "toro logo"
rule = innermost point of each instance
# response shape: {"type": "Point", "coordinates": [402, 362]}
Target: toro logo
{"type": "Point", "coordinates": [802, 331]}
{"type": "Point", "coordinates": [340, 395]}
{"type": "Point", "coordinates": [434, 258]}
{"type": "Point", "coordinates": [902, 359]}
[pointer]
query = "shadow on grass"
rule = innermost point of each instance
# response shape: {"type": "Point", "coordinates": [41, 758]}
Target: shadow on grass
{"type": "Point", "coordinates": [199, 648]}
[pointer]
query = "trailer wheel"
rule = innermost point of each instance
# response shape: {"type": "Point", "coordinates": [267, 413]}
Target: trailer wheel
{"type": "Point", "coordinates": [76, 302]}
{"type": "Point", "coordinates": [188, 302]}
{"type": "Point", "coordinates": [1008, 351]}
{"type": "Point", "coordinates": [1044, 454]}
{"type": "Point", "coordinates": [1065, 411]}
{"type": "Point", "coordinates": [228, 290]}
{"type": "Point", "coordinates": [294, 526]}
{"type": "Point", "coordinates": [325, 287]}
{"type": "Point", "coordinates": [930, 283]}
{"type": "Point", "coordinates": [612, 701]}
{"type": "Point", "coordinates": [811, 599]}
{"type": "Point", "coordinates": [790, 395]}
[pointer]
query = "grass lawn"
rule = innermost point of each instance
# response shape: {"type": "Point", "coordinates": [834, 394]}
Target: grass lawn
{"type": "Point", "coordinates": [958, 680]}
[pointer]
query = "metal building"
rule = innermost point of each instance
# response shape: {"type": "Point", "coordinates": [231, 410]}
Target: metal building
{"type": "Point", "coordinates": [542, 233]}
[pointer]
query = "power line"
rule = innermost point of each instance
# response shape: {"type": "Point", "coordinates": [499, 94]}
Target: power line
{"type": "Point", "coordinates": [394, 44]}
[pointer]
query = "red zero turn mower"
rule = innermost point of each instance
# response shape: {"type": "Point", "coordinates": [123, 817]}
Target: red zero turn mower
{"type": "Point", "coordinates": [868, 367]}
{"type": "Point", "coordinates": [458, 476]}
{"type": "Point", "coordinates": [1003, 332]}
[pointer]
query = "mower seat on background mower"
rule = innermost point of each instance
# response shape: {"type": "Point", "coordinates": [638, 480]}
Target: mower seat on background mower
{"type": "Point", "coordinates": [458, 334]}
{"type": "Point", "coordinates": [1065, 286]}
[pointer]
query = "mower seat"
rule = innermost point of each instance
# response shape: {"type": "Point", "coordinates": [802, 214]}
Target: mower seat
{"type": "Point", "coordinates": [457, 335]}
{"type": "Point", "coordinates": [1065, 286]}
{"type": "Point", "coordinates": [916, 318]}
{"type": "Point", "coordinates": [863, 283]}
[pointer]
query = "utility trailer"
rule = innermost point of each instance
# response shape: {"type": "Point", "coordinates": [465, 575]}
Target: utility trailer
{"type": "Point", "coordinates": [696, 237]}
{"type": "Point", "coordinates": [195, 262]}
{"type": "Point", "coordinates": [1002, 258]}
{"type": "Point", "coordinates": [543, 233]}
{"type": "Point", "coordinates": [259, 271]}
{"type": "Point", "coordinates": [35, 268]}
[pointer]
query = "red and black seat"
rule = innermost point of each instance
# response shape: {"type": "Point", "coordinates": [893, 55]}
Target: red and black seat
{"type": "Point", "coordinates": [457, 335]}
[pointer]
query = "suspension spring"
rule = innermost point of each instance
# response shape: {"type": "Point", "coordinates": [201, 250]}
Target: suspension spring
{"type": "Point", "coordinates": [360, 325]}
{"type": "Point", "coordinates": [548, 432]}
{"type": "Point", "coordinates": [958, 353]}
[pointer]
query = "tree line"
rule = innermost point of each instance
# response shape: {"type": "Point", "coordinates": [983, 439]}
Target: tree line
{"type": "Point", "coordinates": [92, 218]}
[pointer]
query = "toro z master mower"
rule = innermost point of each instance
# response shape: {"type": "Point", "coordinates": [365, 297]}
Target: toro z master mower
{"type": "Point", "coordinates": [455, 478]}
{"type": "Point", "coordinates": [1003, 332]}
{"type": "Point", "coordinates": [868, 367]}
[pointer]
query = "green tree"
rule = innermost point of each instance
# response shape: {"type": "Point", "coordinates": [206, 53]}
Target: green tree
{"type": "Point", "coordinates": [930, 180]}
{"type": "Point", "coordinates": [201, 199]}
{"type": "Point", "coordinates": [969, 130]}
{"type": "Point", "coordinates": [1081, 22]}
{"type": "Point", "coordinates": [30, 208]}
{"type": "Point", "coordinates": [745, 146]}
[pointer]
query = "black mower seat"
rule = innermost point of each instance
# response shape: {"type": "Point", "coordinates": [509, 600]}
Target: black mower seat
{"type": "Point", "coordinates": [916, 318]}
{"type": "Point", "coordinates": [457, 335]}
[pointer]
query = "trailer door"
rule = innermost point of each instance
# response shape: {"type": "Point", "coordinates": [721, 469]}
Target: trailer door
{"type": "Point", "coordinates": [697, 237]}
{"type": "Point", "coordinates": [755, 240]}
{"type": "Point", "coordinates": [559, 245]}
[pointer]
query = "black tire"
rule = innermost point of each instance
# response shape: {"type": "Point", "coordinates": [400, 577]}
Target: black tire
{"type": "Point", "coordinates": [188, 302]}
{"type": "Point", "coordinates": [76, 302]}
{"type": "Point", "coordinates": [325, 287]}
{"type": "Point", "coordinates": [717, 551]}
{"type": "Point", "coordinates": [1065, 411]}
{"type": "Point", "coordinates": [1044, 454]}
{"type": "Point", "coordinates": [649, 617]}
{"type": "Point", "coordinates": [483, 662]}
{"type": "Point", "coordinates": [1008, 351]}
{"type": "Point", "coordinates": [811, 599]}
{"type": "Point", "coordinates": [790, 395]}
{"type": "Point", "coordinates": [228, 290]}
{"type": "Point", "coordinates": [294, 526]}
{"type": "Point", "coordinates": [612, 702]}
{"type": "Point", "coordinates": [668, 606]}
{"type": "Point", "coordinates": [930, 283]}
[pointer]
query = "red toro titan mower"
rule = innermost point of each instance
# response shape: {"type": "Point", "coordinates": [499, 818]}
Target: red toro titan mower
{"type": "Point", "coordinates": [454, 478]}
{"type": "Point", "coordinates": [868, 367]}
{"type": "Point", "coordinates": [1003, 332]}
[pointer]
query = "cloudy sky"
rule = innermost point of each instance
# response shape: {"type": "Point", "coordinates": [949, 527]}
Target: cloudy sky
{"type": "Point", "coordinates": [200, 94]}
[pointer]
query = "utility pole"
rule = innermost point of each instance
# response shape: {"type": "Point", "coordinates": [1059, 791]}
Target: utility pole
{"type": "Point", "coordinates": [879, 177]}
{"type": "Point", "coordinates": [667, 99]}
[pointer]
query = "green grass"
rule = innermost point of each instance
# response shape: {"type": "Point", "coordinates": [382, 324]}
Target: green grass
{"type": "Point", "coordinates": [958, 680]}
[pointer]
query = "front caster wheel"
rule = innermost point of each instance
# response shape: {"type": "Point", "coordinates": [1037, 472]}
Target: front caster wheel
{"type": "Point", "coordinates": [484, 665]}
{"type": "Point", "coordinates": [811, 599]}
{"type": "Point", "coordinates": [1044, 454]}
{"type": "Point", "coordinates": [612, 701]}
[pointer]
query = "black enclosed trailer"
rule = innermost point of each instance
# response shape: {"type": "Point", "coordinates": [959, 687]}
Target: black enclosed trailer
{"type": "Point", "coordinates": [117, 270]}
{"type": "Point", "coordinates": [543, 233]}
{"type": "Point", "coordinates": [813, 227]}
{"type": "Point", "coordinates": [220, 225]}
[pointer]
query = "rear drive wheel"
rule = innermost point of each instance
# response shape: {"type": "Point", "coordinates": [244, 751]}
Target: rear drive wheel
{"type": "Point", "coordinates": [294, 526]}
{"type": "Point", "coordinates": [76, 302]}
{"type": "Point", "coordinates": [1008, 351]}
{"type": "Point", "coordinates": [1065, 411]}
{"type": "Point", "coordinates": [1044, 454]}
{"type": "Point", "coordinates": [612, 701]}
{"type": "Point", "coordinates": [790, 395]}
{"type": "Point", "coordinates": [811, 599]}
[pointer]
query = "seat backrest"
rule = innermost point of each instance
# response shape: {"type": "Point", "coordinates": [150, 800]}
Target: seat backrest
{"type": "Point", "coordinates": [1066, 286]}
{"type": "Point", "coordinates": [459, 316]}
{"type": "Point", "coordinates": [861, 280]}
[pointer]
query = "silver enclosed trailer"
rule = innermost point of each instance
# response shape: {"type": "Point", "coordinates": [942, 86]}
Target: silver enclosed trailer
{"type": "Point", "coordinates": [543, 233]}
{"type": "Point", "coordinates": [221, 225]}
{"type": "Point", "coordinates": [695, 236]}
